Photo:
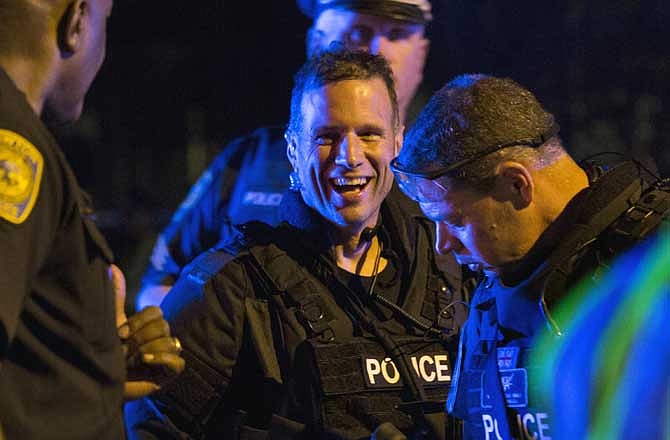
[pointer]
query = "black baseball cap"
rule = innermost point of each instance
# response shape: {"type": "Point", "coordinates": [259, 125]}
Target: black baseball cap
{"type": "Point", "coordinates": [412, 11]}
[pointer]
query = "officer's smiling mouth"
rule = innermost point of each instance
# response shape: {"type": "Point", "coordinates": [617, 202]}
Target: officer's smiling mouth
{"type": "Point", "coordinates": [348, 184]}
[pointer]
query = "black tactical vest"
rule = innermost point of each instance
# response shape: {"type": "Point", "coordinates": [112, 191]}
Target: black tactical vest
{"type": "Point", "coordinates": [338, 385]}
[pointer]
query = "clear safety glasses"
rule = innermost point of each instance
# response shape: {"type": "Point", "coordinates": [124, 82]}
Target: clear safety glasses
{"type": "Point", "coordinates": [428, 187]}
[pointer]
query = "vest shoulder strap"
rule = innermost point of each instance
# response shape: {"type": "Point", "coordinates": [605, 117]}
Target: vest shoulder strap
{"type": "Point", "coordinates": [191, 400]}
{"type": "Point", "coordinates": [282, 275]}
{"type": "Point", "coordinates": [630, 217]}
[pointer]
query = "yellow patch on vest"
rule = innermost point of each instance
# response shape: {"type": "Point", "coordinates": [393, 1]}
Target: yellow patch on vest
{"type": "Point", "coordinates": [21, 167]}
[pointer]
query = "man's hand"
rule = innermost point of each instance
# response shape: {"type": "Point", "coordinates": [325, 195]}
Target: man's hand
{"type": "Point", "coordinates": [152, 356]}
{"type": "Point", "coordinates": [387, 431]}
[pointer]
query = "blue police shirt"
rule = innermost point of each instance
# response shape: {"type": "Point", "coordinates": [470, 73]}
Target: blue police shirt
{"type": "Point", "coordinates": [245, 182]}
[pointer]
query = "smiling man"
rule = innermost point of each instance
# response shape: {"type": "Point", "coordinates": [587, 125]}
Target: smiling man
{"type": "Point", "coordinates": [485, 163]}
{"type": "Point", "coordinates": [338, 317]}
{"type": "Point", "coordinates": [248, 178]}
{"type": "Point", "coordinates": [341, 141]}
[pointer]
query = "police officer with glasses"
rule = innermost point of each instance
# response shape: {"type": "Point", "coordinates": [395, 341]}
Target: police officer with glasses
{"type": "Point", "coordinates": [486, 164]}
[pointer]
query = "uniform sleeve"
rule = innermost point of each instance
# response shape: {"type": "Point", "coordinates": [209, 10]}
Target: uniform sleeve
{"type": "Point", "coordinates": [24, 247]}
{"type": "Point", "coordinates": [201, 221]}
{"type": "Point", "coordinates": [209, 321]}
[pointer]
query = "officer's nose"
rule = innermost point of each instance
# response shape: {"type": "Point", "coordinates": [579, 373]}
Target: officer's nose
{"type": "Point", "coordinates": [349, 151]}
{"type": "Point", "coordinates": [445, 241]}
{"type": "Point", "coordinates": [374, 43]}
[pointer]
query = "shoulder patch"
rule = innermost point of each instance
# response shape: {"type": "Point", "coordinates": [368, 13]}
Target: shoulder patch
{"type": "Point", "coordinates": [21, 166]}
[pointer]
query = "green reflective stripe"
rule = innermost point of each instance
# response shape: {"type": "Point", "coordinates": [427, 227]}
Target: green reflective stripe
{"type": "Point", "coordinates": [643, 289]}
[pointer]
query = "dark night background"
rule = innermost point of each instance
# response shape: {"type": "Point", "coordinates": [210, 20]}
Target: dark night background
{"type": "Point", "coordinates": [183, 78]}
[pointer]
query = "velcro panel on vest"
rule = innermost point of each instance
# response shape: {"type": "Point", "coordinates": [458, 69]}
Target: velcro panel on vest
{"type": "Point", "coordinates": [258, 318]}
{"type": "Point", "coordinates": [194, 396]}
{"type": "Point", "coordinates": [361, 388]}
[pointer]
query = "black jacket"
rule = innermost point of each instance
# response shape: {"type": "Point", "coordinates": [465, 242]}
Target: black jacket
{"type": "Point", "coordinates": [62, 368]}
{"type": "Point", "coordinates": [240, 344]}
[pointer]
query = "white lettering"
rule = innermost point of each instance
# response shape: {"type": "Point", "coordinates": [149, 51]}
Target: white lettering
{"type": "Point", "coordinates": [430, 368]}
{"type": "Point", "coordinates": [422, 366]}
{"type": "Point", "coordinates": [528, 418]}
{"type": "Point", "coordinates": [491, 426]}
{"type": "Point", "coordinates": [442, 367]}
{"type": "Point", "coordinates": [396, 375]}
{"type": "Point", "coordinates": [373, 369]}
{"type": "Point", "coordinates": [275, 199]}
{"type": "Point", "coordinates": [488, 425]}
{"type": "Point", "coordinates": [495, 425]}
{"type": "Point", "coordinates": [416, 366]}
{"type": "Point", "coordinates": [542, 426]}
{"type": "Point", "coordinates": [261, 198]}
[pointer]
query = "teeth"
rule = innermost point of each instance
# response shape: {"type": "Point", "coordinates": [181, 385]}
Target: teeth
{"type": "Point", "coordinates": [350, 181]}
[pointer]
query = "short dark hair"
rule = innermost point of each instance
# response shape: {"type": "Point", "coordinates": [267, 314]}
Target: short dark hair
{"type": "Point", "coordinates": [471, 114]}
{"type": "Point", "coordinates": [338, 64]}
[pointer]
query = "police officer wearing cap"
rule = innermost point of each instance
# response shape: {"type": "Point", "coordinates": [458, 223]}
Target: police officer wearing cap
{"type": "Point", "coordinates": [486, 164]}
{"type": "Point", "coordinates": [336, 324]}
{"type": "Point", "coordinates": [248, 178]}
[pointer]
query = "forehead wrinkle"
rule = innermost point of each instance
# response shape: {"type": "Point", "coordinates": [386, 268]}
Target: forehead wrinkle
{"type": "Point", "coordinates": [324, 128]}
{"type": "Point", "coordinates": [321, 112]}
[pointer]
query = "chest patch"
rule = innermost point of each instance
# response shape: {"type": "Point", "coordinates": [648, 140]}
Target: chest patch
{"type": "Point", "coordinates": [514, 383]}
{"type": "Point", "coordinates": [432, 369]}
{"type": "Point", "coordinates": [508, 357]}
{"type": "Point", "coordinates": [21, 166]}
{"type": "Point", "coordinates": [258, 198]}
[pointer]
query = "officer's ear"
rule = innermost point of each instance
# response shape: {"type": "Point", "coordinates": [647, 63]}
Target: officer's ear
{"type": "Point", "coordinates": [514, 182]}
{"type": "Point", "coordinates": [291, 145]}
{"type": "Point", "coordinates": [398, 141]}
{"type": "Point", "coordinates": [72, 26]}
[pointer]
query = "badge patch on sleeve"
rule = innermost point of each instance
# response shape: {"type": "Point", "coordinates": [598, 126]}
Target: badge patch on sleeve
{"type": "Point", "coordinates": [21, 167]}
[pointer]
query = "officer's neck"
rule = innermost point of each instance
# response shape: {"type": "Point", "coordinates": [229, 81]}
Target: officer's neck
{"type": "Point", "coordinates": [32, 76]}
{"type": "Point", "coordinates": [359, 256]}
